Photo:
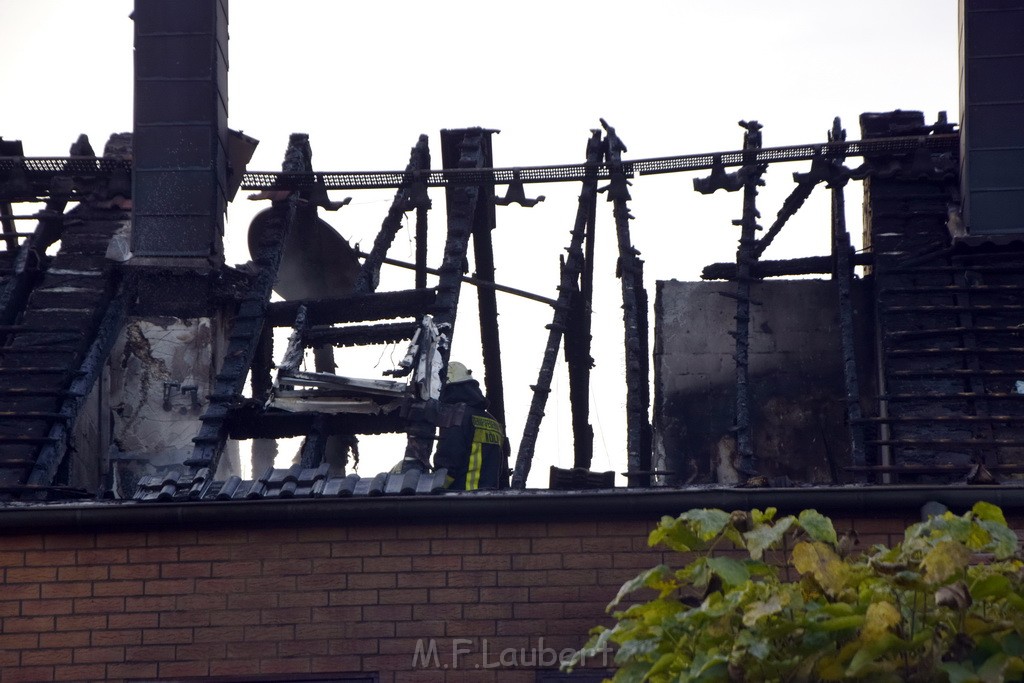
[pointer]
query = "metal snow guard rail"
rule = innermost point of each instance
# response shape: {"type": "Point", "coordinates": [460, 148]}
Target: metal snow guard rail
{"type": "Point", "coordinates": [259, 180]}
{"type": "Point", "coordinates": [357, 180]}
{"type": "Point", "coordinates": [65, 165]}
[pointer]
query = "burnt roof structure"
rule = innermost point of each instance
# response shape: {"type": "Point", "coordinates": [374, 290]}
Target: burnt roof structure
{"type": "Point", "coordinates": [934, 396]}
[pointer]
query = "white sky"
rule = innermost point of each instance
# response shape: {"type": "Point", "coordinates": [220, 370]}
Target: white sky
{"type": "Point", "coordinates": [365, 79]}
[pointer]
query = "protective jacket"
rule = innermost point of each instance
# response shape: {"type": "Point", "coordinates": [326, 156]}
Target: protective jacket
{"type": "Point", "coordinates": [471, 450]}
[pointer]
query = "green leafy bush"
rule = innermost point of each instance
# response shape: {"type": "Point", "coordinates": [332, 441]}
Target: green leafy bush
{"type": "Point", "coordinates": [944, 605]}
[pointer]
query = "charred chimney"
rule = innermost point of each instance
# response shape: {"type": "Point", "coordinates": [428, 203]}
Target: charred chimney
{"type": "Point", "coordinates": [181, 135]}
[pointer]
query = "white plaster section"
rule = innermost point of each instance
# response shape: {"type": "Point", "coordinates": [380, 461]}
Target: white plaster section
{"type": "Point", "coordinates": [161, 375]}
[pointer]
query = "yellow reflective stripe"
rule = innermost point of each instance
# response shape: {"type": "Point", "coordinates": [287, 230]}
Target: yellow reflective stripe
{"type": "Point", "coordinates": [475, 465]}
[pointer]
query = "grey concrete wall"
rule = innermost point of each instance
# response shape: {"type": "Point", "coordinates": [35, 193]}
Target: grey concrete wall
{"type": "Point", "coordinates": [796, 381]}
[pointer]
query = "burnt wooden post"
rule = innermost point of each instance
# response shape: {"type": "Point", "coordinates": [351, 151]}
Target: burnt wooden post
{"type": "Point", "coordinates": [247, 327]}
{"type": "Point", "coordinates": [7, 221]}
{"type": "Point", "coordinates": [422, 209]}
{"type": "Point", "coordinates": [634, 317]}
{"type": "Point", "coordinates": [260, 379]}
{"type": "Point", "coordinates": [804, 185]}
{"type": "Point", "coordinates": [578, 337]}
{"type": "Point", "coordinates": [746, 256]}
{"type": "Point", "coordinates": [264, 451]}
{"type": "Point", "coordinates": [842, 253]}
{"type": "Point", "coordinates": [487, 303]}
{"type": "Point", "coordinates": [411, 194]}
{"type": "Point", "coordinates": [459, 149]}
{"type": "Point", "coordinates": [570, 274]}
{"type": "Point", "coordinates": [314, 446]}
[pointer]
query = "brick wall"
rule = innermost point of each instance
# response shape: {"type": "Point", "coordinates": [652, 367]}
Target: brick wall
{"type": "Point", "coordinates": [345, 597]}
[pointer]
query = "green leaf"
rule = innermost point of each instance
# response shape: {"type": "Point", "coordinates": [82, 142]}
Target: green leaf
{"type": "Point", "coordinates": [838, 623]}
{"type": "Point", "coordinates": [1014, 668]}
{"type": "Point", "coordinates": [880, 618]}
{"type": "Point", "coordinates": [988, 512]}
{"type": "Point", "coordinates": [706, 522]}
{"type": "Point", "coordinates": [636, 647]}
{"type": "Point", "coordinates": [818, 527]}
{"type": "Point", "coordinates": [763, 517]}
{"type": "Point", "coordinates": [595, 648]}
{"type": "Point", "coordinates": [870, 652]}
{"type": "Point", "coordinates": [1013, 644]}
{"type": "Point", "coordinates": [958, 528]}
{"type": "Point", "coordinates": [766, 536]}
{"type": "Point", "coordinates": [837, 609]}
{"type": "Point", "coordinates": [641, 580]}
{"type": "Point", "coordinates": [674, 534]}
{"type": "Point", "coordinates": [633, 672]}
{"type": "Point", "coordinates": [996, 585]}
{"type": "Point", "coordinates": [979, 537]}
{"type": "Point", "coordinates": [663, 664]}
{"type": "Point", "coordinates": [708, 667]}
{"type": "Point", "coordinates": [945, 560]}
{"type": "Point", "coordinates": [909, 580]}
{"type": "Point", "coordinates": [732, 571]}
{"type": "Point", "coordinates": [1003, 543]}
{"type": "Point", "coordinates": [958, 673]}
{"type": "Point", "coordinates": [823, 564]}
{"type": "Point", "coordinates": [773, 605]}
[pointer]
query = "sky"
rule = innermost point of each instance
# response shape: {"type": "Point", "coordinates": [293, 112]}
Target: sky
{"type": "Point", "coordinates": [364, 80]}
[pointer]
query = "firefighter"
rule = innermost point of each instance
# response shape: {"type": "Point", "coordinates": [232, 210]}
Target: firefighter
{"type": "Point", "coordinates": [471, 451]}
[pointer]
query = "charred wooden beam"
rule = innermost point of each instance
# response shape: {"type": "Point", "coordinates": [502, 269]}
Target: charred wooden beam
{"type": "Point", "coordinates": [463, 149]}
{"type": "Point", "coordinates": [323, 359]}
{"type": "Point", "coordinates": [250, 319]}
{"type": "Point", "coordinates": [746, 255]}
{"type": "Point", "coordinates": [10, 234]}
{"type": "Point", "coordinates": [643, 327]}
{"type": "Point", "coordinates": [966, 444]}
{"type": "Point", "coordinates": [260, 379]}
{"type": "Point", "coordinates": [52, 453]}
{"type": "Point", "coordinates": [29, 261]}
{"type": "Point", "coordinates": [924, 419]}
{"type": "Point", "coordinates": [413, 194]}
{"type": "Point", "coordinates": [476, 282]}
{"type": "Point", "coordinates": [578, 341]}
{"type": "Point", "coordinates": [359, 335]}
{"type": "Point", "coordinates": [842, 252]}
{"type": "Point", "coordinates": [314, 445]}
{"type": "Point", "coordinates": [808, 265]}
{"type": "Point", "coordinates": [935, 469]}
{"type": "Point", "coordinates": [974, 380]}
{"type": "Point", "coordinates": [295, 350]}
{"type": "Point", "coordinates": [422, 229]}
{"type": "Point", "coordinates": [634, 317]}
{"type": "Point", "coordinates": [941, 396]}
{"type": "Point", "coordinates": [351, 309]}
{"type": "Point", "coordinates": [484, 222]}
{"type": "Point", "coordinates": [570, 274]}
{"type": "Point", "coordinates": [790, 206]}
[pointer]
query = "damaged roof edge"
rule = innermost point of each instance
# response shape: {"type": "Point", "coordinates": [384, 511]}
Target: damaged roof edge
{"type": "Point", "coordinates": [504, 506]}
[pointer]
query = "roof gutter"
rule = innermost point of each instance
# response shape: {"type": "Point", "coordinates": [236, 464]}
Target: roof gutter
{"type": "Point", "coordinates": [875, 501]}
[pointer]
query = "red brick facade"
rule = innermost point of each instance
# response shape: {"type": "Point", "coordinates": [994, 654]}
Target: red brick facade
{"type": "Point", "coordinates": [351, 596]}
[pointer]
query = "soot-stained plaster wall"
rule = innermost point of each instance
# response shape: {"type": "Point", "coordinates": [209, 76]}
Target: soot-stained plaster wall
{"type": "Point", "coordinates": [796, 380]}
